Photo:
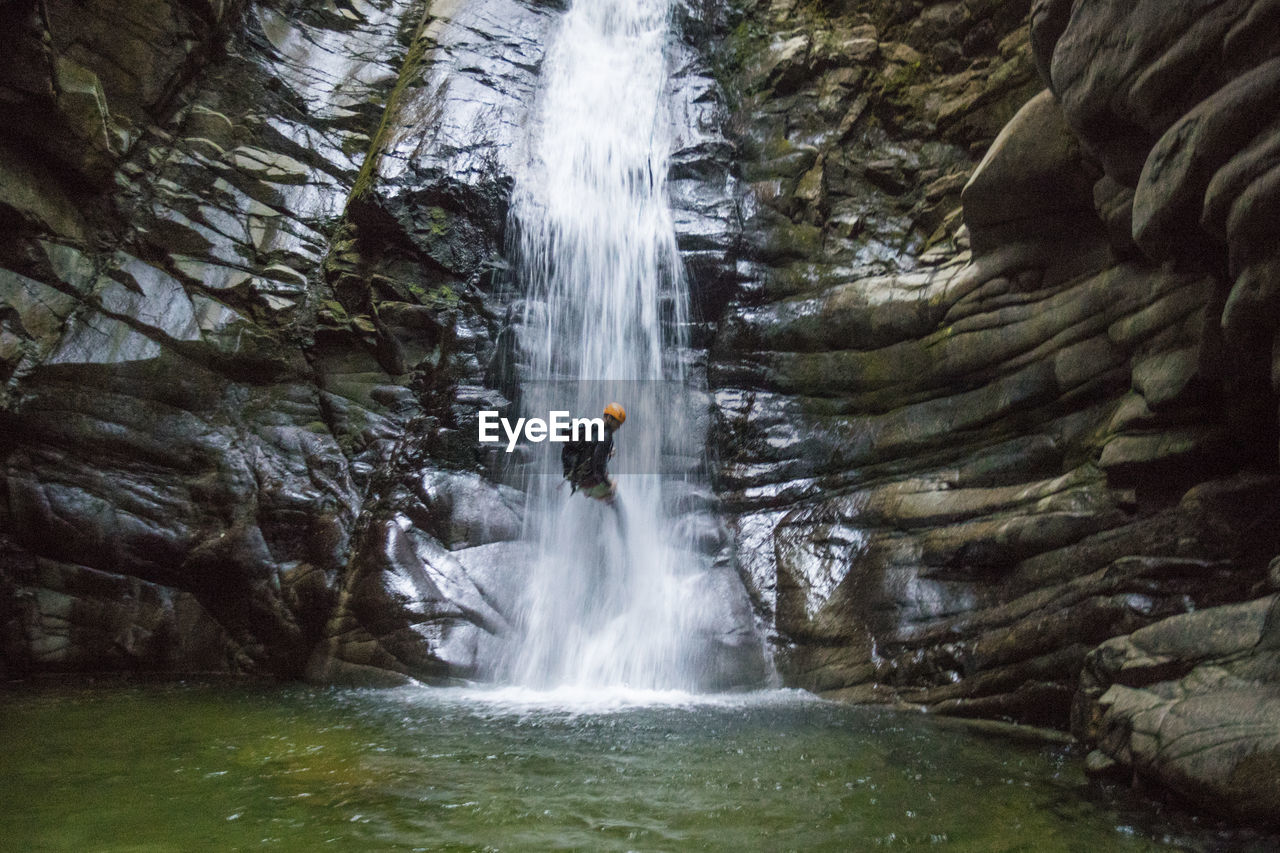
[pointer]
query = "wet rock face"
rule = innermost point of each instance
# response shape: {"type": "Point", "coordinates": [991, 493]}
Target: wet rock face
{"type": "Point", "coordinates": [1188, 122]}
{"type": "Point", "coordinates": [994, 366]}
{"type": "Point", "coordinates": [246, 317]}
{"type": "Point", "coordinates": [1191, 703]}
{"type": "Point", "coordinates": [252, 295]}
{"type": "Point", "coordinates": [990, 401]}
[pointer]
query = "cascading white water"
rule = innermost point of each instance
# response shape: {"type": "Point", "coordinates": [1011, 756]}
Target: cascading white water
{"type": "Point", "coordinates": [605, 320]}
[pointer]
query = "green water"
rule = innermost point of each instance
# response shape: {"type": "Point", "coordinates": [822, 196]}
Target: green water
{"type": "Point", "coordinates": [180, 768]}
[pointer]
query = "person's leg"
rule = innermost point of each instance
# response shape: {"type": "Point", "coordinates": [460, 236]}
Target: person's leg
{"type": "Point", "coordinates": [600, 491]}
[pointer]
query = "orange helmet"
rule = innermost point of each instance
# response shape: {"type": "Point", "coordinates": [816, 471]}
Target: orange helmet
{"type": "Point", "coordinates": [616, 410]}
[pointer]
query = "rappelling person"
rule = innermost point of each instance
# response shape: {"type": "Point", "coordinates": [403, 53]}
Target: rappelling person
{"type": "Point", "coordinates": [586, 462]}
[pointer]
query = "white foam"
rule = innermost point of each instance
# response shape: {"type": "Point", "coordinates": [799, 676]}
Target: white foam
{"type": "Point", "coordinates": [591, 701]}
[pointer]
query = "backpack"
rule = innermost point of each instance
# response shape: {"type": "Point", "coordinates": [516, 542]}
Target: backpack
{"type": "Point", "coordinates": [575, 460]}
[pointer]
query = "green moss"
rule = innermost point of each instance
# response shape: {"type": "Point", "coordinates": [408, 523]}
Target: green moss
{"type": "Point", "coordinates": [335, 308]}
{"type": "Point", "coordinates": [746, 39]}
{"type": "Point", "coordinates": [799, 240]}
{"type": "Point", "coordinates": [444, 296]}
{"type": "Point", "coordinates": [777, 146]}
{"type": "Point", "coordinates": [740, 50]}
{"type": "Point", "coordinates": [354, 143]}
{"type": "Point", "coordinates": [438, 220]}
{"type": "Point", "coordinates": [408, 72]}
{"type": "Point", "coordinates": [894, 84]}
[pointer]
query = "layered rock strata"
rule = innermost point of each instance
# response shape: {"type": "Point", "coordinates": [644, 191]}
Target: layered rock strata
{"type": "Point", "coordinates": [977, 419]}
{"type": "Point", "coordinates": [253, 294]}
{"type": "Point", "coordinates": [989, 295]}
{"type": "Point", "coordinates": [203, 402]}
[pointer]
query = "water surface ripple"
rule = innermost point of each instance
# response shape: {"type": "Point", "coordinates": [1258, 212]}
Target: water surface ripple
{"type": "Point", "coordinates": [161, 768]}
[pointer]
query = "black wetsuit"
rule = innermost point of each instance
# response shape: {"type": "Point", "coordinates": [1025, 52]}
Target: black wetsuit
{"type": "Point", "coordinates": [586, 463]}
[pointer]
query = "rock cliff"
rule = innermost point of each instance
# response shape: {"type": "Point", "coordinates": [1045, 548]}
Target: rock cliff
{"type": "Point", "coordinates": [228, 334]}
{"type": "Point", "coordinates": [986, 297]}
{"type": "Point", "coordinates": [985, 426]}
{"type": "Point", "coordinates": [254, 293]}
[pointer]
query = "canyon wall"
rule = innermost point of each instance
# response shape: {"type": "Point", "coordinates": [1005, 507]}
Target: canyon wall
{"type": "Point", "coordinates": [988, 425]}
{"type": "Point", "coordinates": [985, 295]}
{"type": "Point", "coordinates": [254, 294]}
{"type": "Point", "coordinates": [223, 351]}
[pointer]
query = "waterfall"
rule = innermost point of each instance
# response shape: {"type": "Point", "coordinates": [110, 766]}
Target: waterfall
{"type": "Point", "coordinates": [606, 603]}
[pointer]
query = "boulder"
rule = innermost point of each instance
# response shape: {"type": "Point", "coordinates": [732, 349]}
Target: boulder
{"type": "Point", "coordinates": [1031, 182]}
{"type": "Point", "coordinates": [1192, 704]}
